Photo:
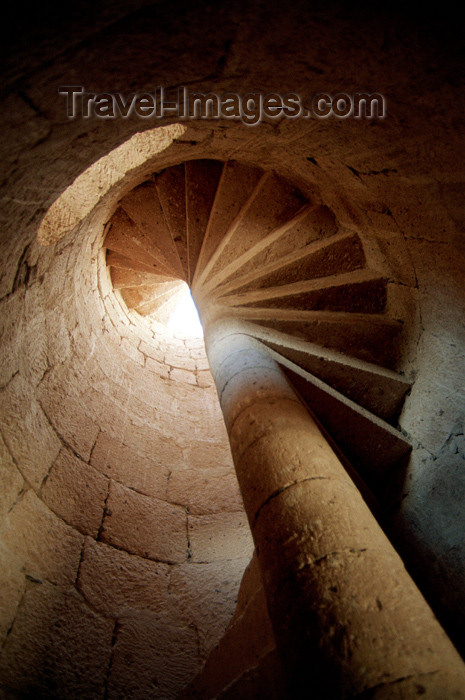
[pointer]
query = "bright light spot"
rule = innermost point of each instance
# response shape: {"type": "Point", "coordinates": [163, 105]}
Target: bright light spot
{"type": "Point", "coordinates": [185, 320]}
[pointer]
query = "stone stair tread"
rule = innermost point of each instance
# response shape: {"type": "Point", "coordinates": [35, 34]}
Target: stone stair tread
{"type": "Point", "coordinates": [272, 204]}
{"type": "Point", "coordinates": [360, 291]}
{"type": "Point", "coordinates": [276, 201]}
{"type": "Point", "coordinates": [122, 277]}
{"type": "Point", "coordinates": [381, 391]}
{"type": "Point", "coordinates": [126, 238]}
{"type": "Point", "coordinates": [202, 178]}
{"type": "Point", "coordinates": [369, 337]}
{"type": "Point", "coordinates": [171, 188]}
{"type": "Point", "coordinates": [373, 446]}
{"type": "Point", "coordinates": [314, 261]}
{"type": "Point", "coordinates": [162, 307]}
{"type": "Point", "coordinates": [213, 267]}
{"type": "Point", "coordinates": [237, 183]}
{"type": "Point", "coordinates": [136, 296]}
{"type": "Point", "coordinates": [311, 224]}
{"type": "Point", "coordinates": [123, 262]}
{"type": "Point", "coordinates": [340, 253]}
{"type": "Point", "coordinates": [143, 206]}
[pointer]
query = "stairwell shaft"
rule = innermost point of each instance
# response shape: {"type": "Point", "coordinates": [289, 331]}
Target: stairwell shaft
{"type": "Point", "coordinates": [348, 619]}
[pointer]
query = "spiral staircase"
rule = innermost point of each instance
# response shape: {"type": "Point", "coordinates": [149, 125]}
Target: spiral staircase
{"type": "Point", "coordinates": [253, 247]}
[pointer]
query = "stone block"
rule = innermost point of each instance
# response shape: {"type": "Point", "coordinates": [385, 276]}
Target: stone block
{"type": "Point", "coordinates": [197, 353]}
{"type": "Point", "coordinates": [76, 492]}
{"type": "Point", "coordinates": [205, 379]}
{"type": "Point", "coordinates": [33, 359]}
{"type": "Point", "coordinates": [29, 436]}
{"type": "Point", "coordinates": [58, 342]}
{"type": "Point", "coordinates": [11, 481]}
{"type": "Point", "coordinates": [202, 364]}
{"type": "Point", "coordinates": [130, 348]}
{"type": "Point", "coordinates": [48, 547]}
{"type": "Point", "coordinates": [183, 375]}
{"type": "Point", "coordinates": [246, 641]}
{"type": "Point", "coordinates": [204, 455]}
{"type": "Point", "coordinates": [11, 328]}
{"type": "Point", "coordinates": [12, 587]}
{"type": "Point", "coordinates": [57, 647]}
{"type": "Point", "coordinates": [206, 596]}
{"type": "Point", "coordinates": [179, 359]}
{"type": "Point", "coordinates": [145, 526]}
{"type": "Point", "coordinates": [158, 368]}
{"type": "Point", "coordinates": [113, 580]}
{"type": "Point", "coordinates": [154, 656]}
{"type": "Point", "coordinates": [69, 417]}
{"type": "Point", "coordinates": [143, 472]}
{"type": "Point", "coordinates": [219, 536]}
{"type": "Point", "coordinates": [153, 350]}
{"type": "Point", "coordinates": [195, 344]}
{"type": "Point", "coordinates": [203, 493]}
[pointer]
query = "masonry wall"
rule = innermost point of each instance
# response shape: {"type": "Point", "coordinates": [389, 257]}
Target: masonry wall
{"type": "Point", "coordinates": [90, 402]}
{"type": "Point", "coordinates": [123, 534]}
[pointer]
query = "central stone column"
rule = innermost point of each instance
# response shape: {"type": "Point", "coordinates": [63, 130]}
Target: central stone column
{"type": "Point", "coordinates": [348, 620]}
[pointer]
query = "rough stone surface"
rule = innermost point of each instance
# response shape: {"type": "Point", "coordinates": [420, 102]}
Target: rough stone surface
{"type": "Point", "coordinates": [54, 640]}
{"type": "Point", "coordinates": [27, 432]}
{"type": "Point", "coordinates": [206, 596]}
{"type": "Point", "coordinates": [11, 326]}
{"type": "Point", "coordinates": [154, 655]}
{"type": "Point", "coordinates": [48, 547]}
{"type": "Point", "coordinates": [76, 493]}
{"type": "Point", "coordinates": [112, 580]}
{"type": "Point", "coordinates": [11, 481]}
{"type": "Point", "coordinates": [216, 537]}
{"type": "Point", "coordinates": [248, 639]}
{"type": "Point", "coordinates": [12, 586]}
{"type": "Point", "coordinates": [64, 413]}
{"type": "Point", "coordinates": [145, 526]}
{"type": "Point", "coordinates": [205, 492]}
{"type": "Point", "coordinates": [398, 182]}
{"type": "Point", "coordinates": [119, 462]}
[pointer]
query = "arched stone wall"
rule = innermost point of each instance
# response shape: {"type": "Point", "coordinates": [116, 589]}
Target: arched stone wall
{"type": "Point", "coordinates": [399, 180]}
{"type": "Point", "coordinates": [122, 522]}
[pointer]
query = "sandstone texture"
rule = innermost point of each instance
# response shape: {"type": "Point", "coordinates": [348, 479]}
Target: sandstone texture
{"type": "Point", "coordinates": [123, 535]}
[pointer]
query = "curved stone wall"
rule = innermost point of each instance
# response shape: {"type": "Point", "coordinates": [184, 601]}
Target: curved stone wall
{"type": "Point", "coordinates": [72, 376]}
{"type": "Point", "coordinates": [122, 525]}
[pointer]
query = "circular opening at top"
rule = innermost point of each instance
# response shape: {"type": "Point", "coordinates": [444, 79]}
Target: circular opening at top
{"type": "Point", "coordinates": [185, 319]}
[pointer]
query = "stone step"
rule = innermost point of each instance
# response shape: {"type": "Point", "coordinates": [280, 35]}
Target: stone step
{"type": "Point", "coordinates": [143, 206]}
{"type": "Point", "coordinates": [381, 391]}
{"type": "Point", "coordinates": [370, 337]}
{"type": "Point", "coordinates": [310, 224]}
{"type": "Point", "coordinates": [212, 267]}
{"type": "Point", "coordinates": [341, 253]}
{"type": "Point", "coordinates": [360, 291]}
{"type": "Point", "coordinates": [373, 447]}
{"type": "Point", "coordinates": [237, 184]}
{"type": "Point", "coordinates": [247, 641]}
{"type": "Point", "coordinates": [202, 178]}
{"type": "Point", "coordinates": [122, 278]}
{"type": "Point", "coordinates": [123, 262]}
{"type": "Point", "coordinates": [265, 681]}
{"type": "Point", "coordinates": [171, 188]}
{"type": "Point", "coordinates": [126, 238]}
{"type": "Point", "coordinates": [136, 297]}
{"type": "Point", "coordinates": [275, 201]}
{"type": "Point", "coordinates": [163, 306]}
